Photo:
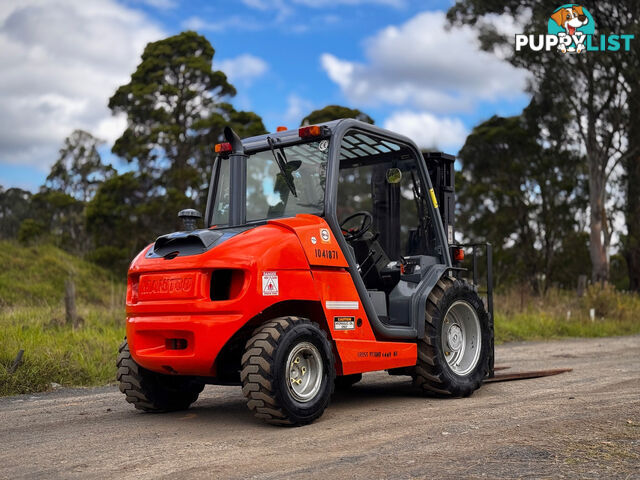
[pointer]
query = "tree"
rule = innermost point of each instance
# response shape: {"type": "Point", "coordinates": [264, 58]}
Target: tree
{"type": "Point", "coordinates": [58, 218]}
{"type": "Point", "coordinates": [15, 206]}
{"type": "Point", "coordinates": [517, 189]}
{"type": "Point", "coordinates": [334, 112]}
{"type": "Point", "coordinates": [598, 111]}
{"type": "Point", "coordinates": [631, 242]}
{"type": "Point", "coordinates": [121, 219]}
{"type": "Point", "coordinates": [175, 113]}
{"type": "Point", "coordinates": [79, 169]}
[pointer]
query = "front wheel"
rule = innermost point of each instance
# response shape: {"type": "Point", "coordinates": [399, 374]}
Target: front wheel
{"type": "Point", "coordinates": [453, 355]}
{"type": "Point", "coordinates": [288, 371]}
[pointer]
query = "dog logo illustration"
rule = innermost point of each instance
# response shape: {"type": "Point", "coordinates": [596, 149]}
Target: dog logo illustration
{"type": "Point", "coordinates": [571, 23]}
{"type": "Point", "coordinates": [571, 29]}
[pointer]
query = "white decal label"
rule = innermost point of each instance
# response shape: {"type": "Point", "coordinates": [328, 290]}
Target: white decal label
{"type": "Point", "coordinates": [338, 305]}
{"type": "Point", "coordinates": [269, 283]}
{"type": "Point", "coordinates": [313, 240]}
{"type": "Point", "coordinates": [324, 235]}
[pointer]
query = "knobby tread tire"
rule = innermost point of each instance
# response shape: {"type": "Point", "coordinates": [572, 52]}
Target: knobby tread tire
{"type": "Point", "coordinates": [152, 392]}
{"type": "Point", "coordinates": [258, 374]}
{"type": "Point", "coordinates": [432, 373]}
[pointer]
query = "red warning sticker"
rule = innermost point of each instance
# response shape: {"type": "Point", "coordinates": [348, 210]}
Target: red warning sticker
{"type": "Point", "coordinates": [269, 283]}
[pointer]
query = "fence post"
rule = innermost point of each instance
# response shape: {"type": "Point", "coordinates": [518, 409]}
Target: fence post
{"type": "Point", "coordinates": [71, 314]}
{"type": "Point", "coordinates": [582, 285]}
{"type": "Point", "coordinates": [16, 363]}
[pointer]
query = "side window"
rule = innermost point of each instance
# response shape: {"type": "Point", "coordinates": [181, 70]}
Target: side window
{"type": "Point", "coordinates": [417, 232]}
{"type": "Point", "coordinates": [383, 178]}
{"type": "Point", "coordinates": [221, 204]}
{"type": "Point", "coordinates": [354, 191]}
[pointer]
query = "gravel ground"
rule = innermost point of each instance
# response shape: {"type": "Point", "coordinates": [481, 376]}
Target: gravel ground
{"type": "Point", "coordinates": [582, 424]}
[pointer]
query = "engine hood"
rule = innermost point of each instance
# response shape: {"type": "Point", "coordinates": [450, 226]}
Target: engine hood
{"type": "Point", "coordinates": [196, 242]}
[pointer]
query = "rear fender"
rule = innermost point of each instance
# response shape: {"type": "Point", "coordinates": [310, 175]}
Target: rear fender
{"type": "Point", "coordinates": [228, 362]}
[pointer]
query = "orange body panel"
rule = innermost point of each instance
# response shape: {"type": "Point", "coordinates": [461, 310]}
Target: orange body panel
{"type": "Point", "coordinates": [276, 262]}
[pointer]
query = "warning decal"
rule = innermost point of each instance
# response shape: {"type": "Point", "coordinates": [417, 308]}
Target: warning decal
{"type": "Point", "coordinates": [344, 323]}
{"type": "Point", "coordinates": [269, 283]}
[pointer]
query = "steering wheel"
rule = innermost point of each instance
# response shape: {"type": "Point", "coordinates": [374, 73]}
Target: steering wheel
{"type": "Point", "coordinates": [357, 232]}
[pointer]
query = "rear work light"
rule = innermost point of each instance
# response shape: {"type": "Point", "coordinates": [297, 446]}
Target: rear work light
{"type": "Point", "coordinates": [312, 131]}
{"type": "Point", "coordinates": [223, 147]}
{"type": "Point", "coordinates": [458, 254]}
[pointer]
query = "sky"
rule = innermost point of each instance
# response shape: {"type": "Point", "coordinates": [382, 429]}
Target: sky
{"type": "Point", "coordinates": [396, 60]}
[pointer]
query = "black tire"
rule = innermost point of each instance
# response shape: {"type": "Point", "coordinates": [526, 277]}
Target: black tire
{"type": "Point", "coordinates": [265, 377]}
{"type": "Point", "coordinates": [433, 374]}
{"type": "Point", "coordinates": [345, 382]}
{"type": "Point", "coordinates": [153, 392]}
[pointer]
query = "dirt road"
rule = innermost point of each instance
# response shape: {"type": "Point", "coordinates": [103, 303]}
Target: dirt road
{"type": "Point", "coordinates": [583, 424]}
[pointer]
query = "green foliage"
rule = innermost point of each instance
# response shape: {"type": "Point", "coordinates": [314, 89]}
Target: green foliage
{"type": "Point", "coordinates": [79, 168]}
{"type": "Point", "coordinates": [31, 230]}
{"type": "Point", "coordinates": [176, 111]}
{"type": "Point", "coordinates": [58, 218]}
{"type": "Point", "coordinates": [55, 352]}
{"type": "Point", "coordinates": [14, 209]}
{"type": "Point", "coordinates": [521, 190]}
{"type": "Point", "coordinates": [334, 112]}
{"type": "Point", "coordinates": [36, 276]}
{"type": "Point", "coordinates": [592, 112]}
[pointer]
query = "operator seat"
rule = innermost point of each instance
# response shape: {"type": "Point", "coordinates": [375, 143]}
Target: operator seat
{"type": "Point", "coordinates": [377, 270]}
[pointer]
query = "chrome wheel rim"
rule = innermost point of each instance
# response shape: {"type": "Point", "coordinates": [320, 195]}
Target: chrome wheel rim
{"type": "Point", "coordinates": [304, 372]}
{"type": "Point", "coordinates": [461, 338]}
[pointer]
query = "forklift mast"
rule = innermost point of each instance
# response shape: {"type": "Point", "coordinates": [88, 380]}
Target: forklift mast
{"type": "Point", "coordinates": [441, 170]}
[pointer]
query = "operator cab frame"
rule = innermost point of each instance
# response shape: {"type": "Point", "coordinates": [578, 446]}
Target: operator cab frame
{"type": "Point", "coordinates": [392, 287]}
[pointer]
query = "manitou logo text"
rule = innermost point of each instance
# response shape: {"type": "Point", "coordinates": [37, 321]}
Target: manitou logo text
{"type": "Point", "coordinates": [167, 285]}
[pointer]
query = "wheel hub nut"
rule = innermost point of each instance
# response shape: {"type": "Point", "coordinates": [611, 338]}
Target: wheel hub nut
{"type": "Point", "coordinates": [454, 337]}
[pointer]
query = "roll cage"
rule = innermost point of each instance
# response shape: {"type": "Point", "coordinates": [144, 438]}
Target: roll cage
{"type": "Point", "coordinates": [415, 292]}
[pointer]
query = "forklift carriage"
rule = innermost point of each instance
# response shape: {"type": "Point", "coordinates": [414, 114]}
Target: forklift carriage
{"type": "Point", "coordinates": [326, 252]}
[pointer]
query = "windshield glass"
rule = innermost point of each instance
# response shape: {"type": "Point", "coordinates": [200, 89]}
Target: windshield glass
{"type": "Point", "coordinates": [269, 193]}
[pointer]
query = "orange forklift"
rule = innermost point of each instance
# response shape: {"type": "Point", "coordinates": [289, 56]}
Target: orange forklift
{"type": "Point", "coordinates": [326, 252]}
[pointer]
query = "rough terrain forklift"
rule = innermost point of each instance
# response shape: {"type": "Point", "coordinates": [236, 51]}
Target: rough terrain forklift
{"type": "Point", "coordinates": [327, 251]}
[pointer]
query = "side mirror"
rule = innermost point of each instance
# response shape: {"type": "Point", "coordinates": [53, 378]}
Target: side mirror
{"type": "Point", "coordinates": [189, 218]}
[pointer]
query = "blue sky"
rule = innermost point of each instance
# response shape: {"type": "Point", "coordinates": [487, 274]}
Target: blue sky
{"type": "Point", "coordinates": [393, 59]}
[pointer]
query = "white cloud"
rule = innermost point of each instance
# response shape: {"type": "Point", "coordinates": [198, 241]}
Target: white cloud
{"type": "Point", "coordinates": [297, 109]}
{"type": "Point", "coordinates": [244, 68]}
{"type": "Point", "coordinates": [423, 65]}
{"type": "Point", "coordinates": [428, 131]}
{"type": "Point", "coordinates": [284, 5]}
{"type": "Point", "coordinates": [235, 22]}
{"type": "Point", "coordinates": [60, 63]}
{"type": "Point", "coordinates": [160, 4]}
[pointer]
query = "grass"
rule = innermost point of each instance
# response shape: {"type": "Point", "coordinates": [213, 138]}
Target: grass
{"type": "Point", "coordinates": [31, 318]}
{"type": "Point", "coordinates": [36, 276]}
{"type": "Point", "coordinates": [558, 314]}
{"type": "Point", "coordinates": [57, 353]}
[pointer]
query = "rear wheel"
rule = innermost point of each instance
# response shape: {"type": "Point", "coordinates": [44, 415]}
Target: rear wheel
{"type": "Point", "coordinates": [288, 371]}
{"type": "Point", "coordinates": [453, 356]}
{"type": "Point", "coordinates": [153, 392]}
